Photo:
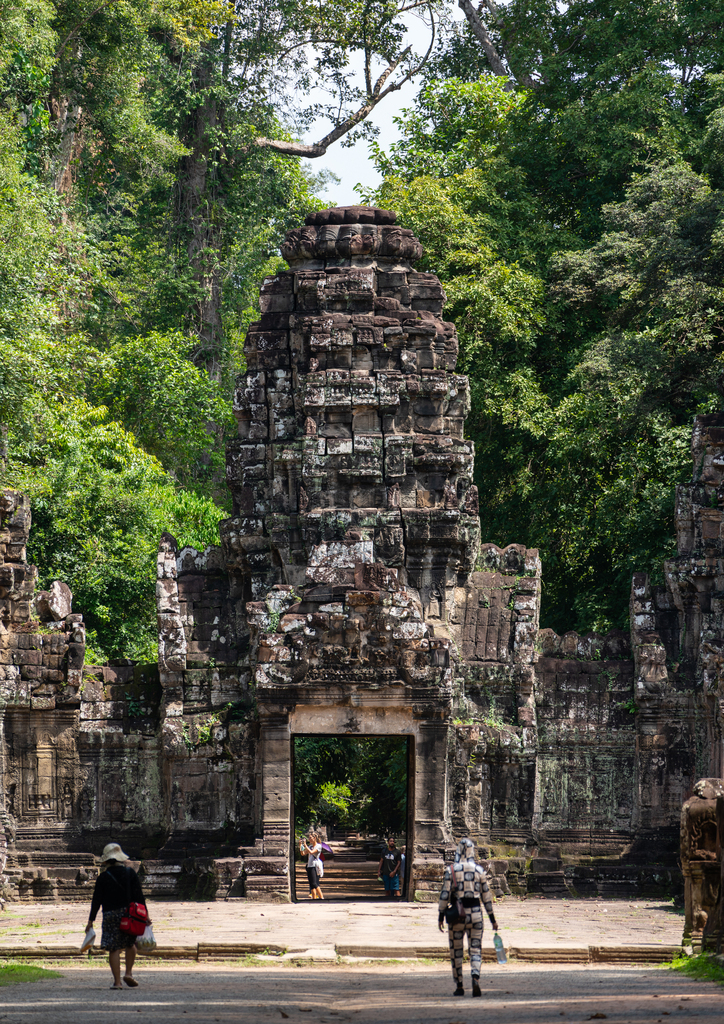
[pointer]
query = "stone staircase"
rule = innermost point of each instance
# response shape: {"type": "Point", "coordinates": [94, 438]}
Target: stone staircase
{"type": "Point", "coordinates": [44, 877]}
{"type": "Point", "coordinates": [348, 876]}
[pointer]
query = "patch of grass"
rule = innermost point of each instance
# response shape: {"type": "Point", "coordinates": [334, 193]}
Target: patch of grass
{"type": "Point", "coordinates": [15, 974]}
{"type": "Point", "coordinates": [703, 967]}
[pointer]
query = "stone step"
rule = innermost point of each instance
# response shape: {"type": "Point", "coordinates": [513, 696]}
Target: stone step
{"type": "Point", "coordinates": [646, 954]}
{"type": "Point", "coordinates": [43, 858]}
{"type": "Point", "coordinates": [349, 880]}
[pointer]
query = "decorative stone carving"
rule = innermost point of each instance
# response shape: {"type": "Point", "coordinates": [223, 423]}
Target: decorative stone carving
{"type": "Point", "coordinates": [649, 652]}
{"type": "Point", "coordinates": [355, 531]}
{"type": "Point", "coordinates": [171, 636]}
{"type": "Point", "coordinates": [702, 836]}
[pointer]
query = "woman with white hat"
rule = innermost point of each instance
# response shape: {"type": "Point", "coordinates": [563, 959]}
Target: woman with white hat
{"type": "Point", "coordinates": [116, 888]}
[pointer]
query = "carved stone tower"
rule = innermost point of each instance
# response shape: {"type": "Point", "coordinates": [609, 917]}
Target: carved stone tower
{"type": "Point", "coordinates": [351, 417]}
{"type": "Point", "coordinates": [355, 513]}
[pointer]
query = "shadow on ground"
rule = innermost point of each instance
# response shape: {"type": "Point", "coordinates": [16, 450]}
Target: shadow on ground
{"type": "Point", "coordinates": [393, 993]}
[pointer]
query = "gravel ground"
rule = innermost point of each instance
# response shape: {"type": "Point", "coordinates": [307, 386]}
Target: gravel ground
{"type": "Point", "coordinates": [390, 993]}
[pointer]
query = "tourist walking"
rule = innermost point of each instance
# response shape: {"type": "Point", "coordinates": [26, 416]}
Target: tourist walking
{"type": "Point", "coordinates": [116, 888]}
{"type": "Point", "coordinates": [466, 880]}
{"type": "Point", "coordinates": [389, 869]}
{"type": "Point", "coordinates": [312, 846]}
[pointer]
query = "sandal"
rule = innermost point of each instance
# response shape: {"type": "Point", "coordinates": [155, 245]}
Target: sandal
{"type": "Point", "coordinates": [131, 982]}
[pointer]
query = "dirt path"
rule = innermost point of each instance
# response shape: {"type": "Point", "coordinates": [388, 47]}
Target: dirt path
{"type": "Point", "coordinates": [516, 994]}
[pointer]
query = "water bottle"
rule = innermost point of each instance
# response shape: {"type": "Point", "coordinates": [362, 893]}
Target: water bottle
{"type": "Point", "coordinates": [499, 949]}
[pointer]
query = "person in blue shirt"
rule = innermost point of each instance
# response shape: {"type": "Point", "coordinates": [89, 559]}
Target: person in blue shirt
{"type": "Point", "coordinates": [389, 869]}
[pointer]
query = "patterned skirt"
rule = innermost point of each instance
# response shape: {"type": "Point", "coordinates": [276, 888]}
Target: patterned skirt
{"type": "Point", "coordinates": [112, 938]}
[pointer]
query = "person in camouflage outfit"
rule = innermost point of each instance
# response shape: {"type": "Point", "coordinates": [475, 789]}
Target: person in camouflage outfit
{"type": "Point", "coordinates": [466, 880]}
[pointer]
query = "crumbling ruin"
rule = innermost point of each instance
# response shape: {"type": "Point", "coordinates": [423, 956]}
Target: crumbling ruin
{"type": "Point", "coordinates": [350, 594]}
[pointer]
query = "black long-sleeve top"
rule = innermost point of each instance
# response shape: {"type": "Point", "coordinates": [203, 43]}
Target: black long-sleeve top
{"type": "Point", "coordinates": [115, 888]}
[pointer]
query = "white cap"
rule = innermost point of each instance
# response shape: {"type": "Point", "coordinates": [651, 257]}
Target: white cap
{"type": "Point", "coordinates": [113, 852]}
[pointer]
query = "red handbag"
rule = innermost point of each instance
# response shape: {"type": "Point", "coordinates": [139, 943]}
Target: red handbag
{"type": "Point", "coordinates": [136, 920]}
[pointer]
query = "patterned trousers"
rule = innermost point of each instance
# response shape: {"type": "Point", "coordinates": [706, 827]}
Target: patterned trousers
{"type": "Point", "coordinates": [473, 928]}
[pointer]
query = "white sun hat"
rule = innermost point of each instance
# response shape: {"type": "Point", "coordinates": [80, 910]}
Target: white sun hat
{"type": "Point", "coordinates": [113, 852]}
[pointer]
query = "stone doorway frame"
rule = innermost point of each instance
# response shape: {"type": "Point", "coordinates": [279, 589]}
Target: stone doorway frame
{"type": "Point", "coordinates": [382, 713]}
{"type": "Point", "coordinates": [409, 824]}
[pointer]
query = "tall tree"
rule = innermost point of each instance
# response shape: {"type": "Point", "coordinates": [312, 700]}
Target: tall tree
{"type": "Point", "coordinates": [610, 86]}
{"type": "Point", "coordinates": [577, 241]}
{"type": "Point", "coordinates": [247, 92]}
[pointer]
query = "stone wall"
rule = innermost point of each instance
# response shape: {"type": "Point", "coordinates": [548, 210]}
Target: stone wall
{"type": "Point", "coordinates": [350, 594]}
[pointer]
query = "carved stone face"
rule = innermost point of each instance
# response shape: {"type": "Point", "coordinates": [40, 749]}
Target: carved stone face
{"type": "Point", "coordinates": [709, 789]}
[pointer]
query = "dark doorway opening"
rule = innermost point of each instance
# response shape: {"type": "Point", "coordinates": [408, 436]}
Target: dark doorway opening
{"type": "Point", "coordinates": [357, 792]}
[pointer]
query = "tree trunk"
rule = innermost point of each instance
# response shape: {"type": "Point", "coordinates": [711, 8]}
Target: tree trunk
{"type": "Point", "coordinates": [197, 210]}
{"type": "Point", "coordinates": [67, 113]}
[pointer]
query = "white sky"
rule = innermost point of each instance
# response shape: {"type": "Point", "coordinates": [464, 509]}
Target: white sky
{"type": "Point", "coordinates": [353, 165]}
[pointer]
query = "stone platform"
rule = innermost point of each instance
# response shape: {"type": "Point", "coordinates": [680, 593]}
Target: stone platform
{"type": "Point", "coordinates": [538, 929]}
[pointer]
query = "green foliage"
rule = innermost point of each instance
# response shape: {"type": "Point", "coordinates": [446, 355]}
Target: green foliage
{"type": "Point", "coordinates": [39, 271]}
{"type": "Point", "coordinates": [99, 505]}
{"type": "Point", "coordinates": [494, 717]}
{"type": "Point", "coordinates": [150, 385]}
{"type": "Point", "coordinates": [703, 967]}
{"type": "Point", "coordinates": [608, 89]}
{"type": "Point", "coordinates": [203, 729]}
{"type": "Point", "coordinates": [317, 761]}
{"type": "Point", "coordinates": [381, 777]}
{"type": "Point", "coordinates": [114, 411]}
{"type": "Point", "coordinates": [575, 220]}
{"type": "Point", "coordinates": [590, 329]}
{"type": "Point", "coordinates": [16, 974]}
{"type": "Point", "coordinates": [134, 706]}
{"type": "Point", "coordinates": [335, 804]}
{"type": "Point", "coordinates": [353, 783]}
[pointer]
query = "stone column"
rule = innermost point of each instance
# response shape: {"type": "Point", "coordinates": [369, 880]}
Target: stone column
{"type": "Point", "coordinates": [267, 877]}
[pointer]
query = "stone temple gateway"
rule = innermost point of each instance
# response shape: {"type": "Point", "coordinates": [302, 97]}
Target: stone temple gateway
{"type": "Point", "coordinates": [350, 595]}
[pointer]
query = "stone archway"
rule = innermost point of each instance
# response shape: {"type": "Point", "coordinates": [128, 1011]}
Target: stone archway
{"type": "Point", "coordinates": [427, 785]}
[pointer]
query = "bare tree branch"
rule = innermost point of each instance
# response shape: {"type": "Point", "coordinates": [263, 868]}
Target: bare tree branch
{"type": "Point", "coordinates": [499, 64]}
{"type": "Point", "coordinates": [317, 149]}
{"type": "Point", "coordinates": [375, 94]}
{"type": "Point", "coordinates": [413, 6]}
{"type": "Point", "coordinates": [311, 41]}
{"type": "Point", "coordinates": [480, 31]}
{"type": "Point", "coordinates": [368, 55]}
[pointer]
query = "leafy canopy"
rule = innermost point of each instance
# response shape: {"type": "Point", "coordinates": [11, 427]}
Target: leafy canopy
{"type": "Point", "coordinates": [578, 242]}
{"type": "Point", "coordinates": [351, 783]}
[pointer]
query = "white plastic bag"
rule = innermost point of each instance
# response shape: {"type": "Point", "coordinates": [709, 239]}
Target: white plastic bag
{"type": "Point", "coordinates": [146, 942]}
{"type": "Point", "coordinates": [89, 939]}
{"type": "Point", "coordinates": [319, 865]}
